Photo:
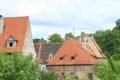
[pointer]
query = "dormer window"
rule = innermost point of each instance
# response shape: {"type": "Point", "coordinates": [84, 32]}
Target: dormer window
{"type": "Point", "coordinates": [51, 56]}
{"type": "Point", "coordinates": [11, 41]}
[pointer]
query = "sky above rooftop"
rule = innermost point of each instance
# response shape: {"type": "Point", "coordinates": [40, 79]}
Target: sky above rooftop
{"type": "Point", "coordinates": [63, 16]}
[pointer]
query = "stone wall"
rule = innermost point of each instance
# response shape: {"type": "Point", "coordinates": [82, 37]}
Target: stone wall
{"type": "Point", "coordinates": [28, 43]}
{"type": "Point", "coordinates": [79, 70]}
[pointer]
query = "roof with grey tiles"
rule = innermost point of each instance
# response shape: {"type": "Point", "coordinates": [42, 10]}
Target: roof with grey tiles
{"type": "Point", "coordinates": [46, 50]}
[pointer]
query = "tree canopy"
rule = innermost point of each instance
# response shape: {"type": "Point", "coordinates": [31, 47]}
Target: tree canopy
{"type": "Point", "coordinates": [55, 38]}
{"type": "Point", "coordinates": [117, 27]}
{"type": "Point", "coordinates": [47, 76]}
{"type": "Point", "coordinates": [109, 41]}
{"type": "Point", "coordinates": [17, 66]}
{"type": "Point", "coordinates": [69, 35]}
{"type": "Point", "coordinates": [104, 71]}
{"type": "Point", "coordinates": [37, 40]}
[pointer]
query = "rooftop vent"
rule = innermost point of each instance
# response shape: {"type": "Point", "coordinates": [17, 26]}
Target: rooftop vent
{"type": "Point", "coordinates": [61, 57]}
{"type": "Point", "coordinates": [73, 56]}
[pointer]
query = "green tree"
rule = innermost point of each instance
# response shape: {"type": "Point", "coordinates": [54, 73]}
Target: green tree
{"type": "Point", "coordinates": [16, 66]}
{"type": "Point", "coordinates": [78, 36]}
{"type": "Point", "coordinates": [37, 40]}
{"type": "Point", "coordinates": [98, 36]}
{"type": "Point", "coordinates": [117, 27]}
{"type": "Point", "coordinates": [109, 41]}
{"type": "Point", "coordinates": [72, 77]}
{"type": "Point", "coordinates": [104, 71]}
{"type": "Point", "coordinates": [55, 38]}
{"type": "Point", "coordinates": [82, 34]}
{"type": "Point", "coordinates": [69, 35]}
{"type": "Point", "coordinates": [47, 75]}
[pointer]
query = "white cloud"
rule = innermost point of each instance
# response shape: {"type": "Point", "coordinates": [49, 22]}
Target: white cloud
{"type": "Point", "coordinates": [51, 16]}
{"type": "Point", "coordinates": [46, 31]}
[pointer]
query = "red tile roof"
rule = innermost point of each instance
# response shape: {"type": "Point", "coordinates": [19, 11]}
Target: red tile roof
{"type": "Point", "coordinates": [71, 53]}
{"type": "Point", "coordinates": [17, 27]}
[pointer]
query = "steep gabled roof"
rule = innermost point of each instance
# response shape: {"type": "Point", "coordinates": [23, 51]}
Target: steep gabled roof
{"type": "Point", "coordinates": [17, 27]}
{"type": "Point", "coordinates": [43, 50]}
{"type": "Point", "coordinates": [71, 53]}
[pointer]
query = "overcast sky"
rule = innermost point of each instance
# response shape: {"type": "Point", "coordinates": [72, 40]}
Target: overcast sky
{"type": "Point", "coordinates": [61, 16]}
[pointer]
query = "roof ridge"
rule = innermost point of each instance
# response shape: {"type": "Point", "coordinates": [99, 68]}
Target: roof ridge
{"type": "Point", "coordinates": [47, 43]}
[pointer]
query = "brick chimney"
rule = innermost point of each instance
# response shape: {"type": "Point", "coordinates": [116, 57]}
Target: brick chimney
{"type": "Point", "coordinates": [1, 24]}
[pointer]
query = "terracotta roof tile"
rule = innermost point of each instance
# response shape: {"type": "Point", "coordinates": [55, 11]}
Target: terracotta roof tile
{"type": "Point", "coordinates": [73, 54]}
{"type": "Point", "coordinates": [17, 27]}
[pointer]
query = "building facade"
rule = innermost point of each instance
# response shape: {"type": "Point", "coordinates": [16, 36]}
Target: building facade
{"type": "Point", "coordinates": [77, 56]}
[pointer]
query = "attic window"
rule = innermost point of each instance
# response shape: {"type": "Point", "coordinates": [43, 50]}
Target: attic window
{"type": "Point", "coordinates": [11, 41]}
{"type": "Point", "coordinates": [51, 56]}
{"type": "Point", "coordinates": [73, 56]}
{"type": "Point", "coordinates": [61, 57]}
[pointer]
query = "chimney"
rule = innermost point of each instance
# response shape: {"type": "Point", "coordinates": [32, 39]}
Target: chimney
{"type": "Point", "coordinates": [1, 24]}
{"type": "Point", "coordinates": [84, 41]}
